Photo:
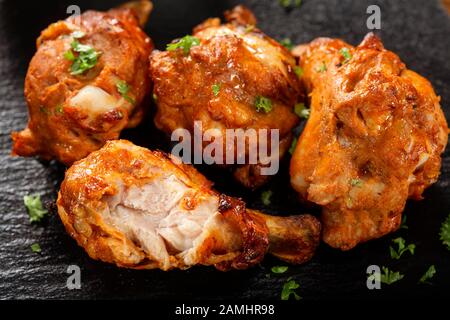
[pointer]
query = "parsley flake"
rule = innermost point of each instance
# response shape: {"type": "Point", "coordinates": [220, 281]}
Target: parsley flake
{"type": "Point", "coordinates": [346, 54]}
{"type": "Point", "coordinates": [216, 89]}
{"type": "Point", "coordinates": [428, 275]}
{"type": "Point", "coordinates": [34, 207]}
{"type": "Point", "coordinates": [403, 224]}
{"type": "Point", "coordinates": [123, 88]}
{"type": "Point", "coordinates": [356, 182]}
{"type": "Point", "coordinates": [389, 277]}
{"type": "Point", "coordinates": [87, 57]}
{"type": "Point", "coordinates": [298, 71]}
{"type": "Point", "coordinates": [263, 104]}
{"type": "Point", "coordinates": [293, 145]}
{"type": "Point", "coordinates": [301, 111]}
{"type": "Point", "coordinates": [290, 3]}
{"type": "Point", "coordinates": [185, 43]}
{"type": "Point", "coordinates": [289, 289]}
{"type": "Point", "coordinates": [279, 269]}
{"type": "Point", "coordinates": [35, 247]}
{"type": "Point", "coordinates": [444, 234]}
{"type": "Point", "coordinates": [265, 197]}
{"type": "Point", "coordinates": [59, 109]}
{"type": "Point", "coordinates": [68, 55]}
{"type": "Point", "coordinates": [287, 43]}
{"type": "Point", "coordinates": [402, 248]}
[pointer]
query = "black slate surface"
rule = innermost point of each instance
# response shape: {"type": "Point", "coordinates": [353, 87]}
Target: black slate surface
{"type": "Point", "coordinates": [419, 31]}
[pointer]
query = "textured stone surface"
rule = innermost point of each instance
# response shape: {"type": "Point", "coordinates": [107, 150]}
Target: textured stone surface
{"type": "Point", "coordinates": [419, 31]}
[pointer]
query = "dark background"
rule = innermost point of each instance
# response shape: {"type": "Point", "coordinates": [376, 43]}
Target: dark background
{"type": "Point", "coordinates": [419, 31]}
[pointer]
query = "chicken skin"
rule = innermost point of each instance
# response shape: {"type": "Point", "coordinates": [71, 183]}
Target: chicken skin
{"type": "Point", "coordinates": [142, 209]}
{"type": "Point", "coordinates": [221, 80]}
{"type": "Point", "coordinates": [373, 139]}
{"type": "Point", "coordinates": [85, 83]}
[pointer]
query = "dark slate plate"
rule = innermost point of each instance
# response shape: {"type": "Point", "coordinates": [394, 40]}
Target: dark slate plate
{"type": "Point", "coordinates": [419, 31]}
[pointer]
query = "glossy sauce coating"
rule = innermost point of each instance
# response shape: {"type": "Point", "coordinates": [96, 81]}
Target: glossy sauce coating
{"type": "Point", "coordinates": [72, 115]}
{"type": "Point", "coordinates": [373, 140]}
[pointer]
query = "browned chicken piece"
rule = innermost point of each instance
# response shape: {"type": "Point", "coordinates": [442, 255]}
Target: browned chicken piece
{"type": "Point", "coordinates": [85, 83]}
{"type": "Point", "coordinates": [220, 82]}
{"type": "Point", "coordinates": [142, 209]}
{"type": "Point", "coordinates": [373, 140]}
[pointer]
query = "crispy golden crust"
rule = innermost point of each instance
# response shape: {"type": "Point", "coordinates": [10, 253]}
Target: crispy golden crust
{"type": "Point", "coordinates": [88, 181]}
{"type": "Point", "coordinates": [246, 63]}
{"type": "Point", "coordinates": [374, 138]}
{"type": "Point", "coordinates": [59, 130]}
{"type": "Point", "coordinates": [238, 242]}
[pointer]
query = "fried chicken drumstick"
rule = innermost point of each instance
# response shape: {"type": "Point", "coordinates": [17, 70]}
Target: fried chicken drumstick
{"type": "Point", "coordinates": [142, 209]}
{"type": "Point", "coordinates": [222, 82]}
{"type": "Point", "coordinates": [85, 83]}
{"type": "Point", "coordinates": [373, 140]}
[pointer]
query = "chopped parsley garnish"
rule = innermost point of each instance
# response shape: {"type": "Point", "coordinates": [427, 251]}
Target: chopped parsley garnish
{"type": "Point", "coordinates": [293, 145]}
{"type": "Point", "coordinates": [402, 248]}
{"type": "Point", "coordinates": [34, 207]}
{"type": "Point", "coordinates": [216, 89]}
{"type": "Point", "coordinates": [403, 224]}
{"type": "Point", "coordinates": [86, 59]}
{"type": "Point", "coordinates": [428, 275]}
{"type": "Point", "coordinates": [35, 247]}
{"type": "Point", "coordinates": [356, 182]}
{"type": "Point", "coordinates": [265, 197]}
{"type": "Point", "coordinates": [123, 88]}
{"type": "Point", "coordinates": [389, 277]}
{"type": "Point", "coordinates": [279, 269]}
{"type": "Point", "coordinates": [68, 55]}
{"type": "Point", "coordinates": [322, 68]}
{"type": "Point", "coordinates": [346, 54]}
{"type": "Point", "coordinates": [59, 109]}
{"type": "Point", "coordinates": [301, 111]}
{"type": "Point", "coordinates": [298, 71]}
{"type": "Point", "coordinates": [286, 42]}
{"type": "Point", "coordinates": [289, 289]}
{"type": "Point", "coordinates": [290, 3]}
{"type": "Point", "coordinates": [263, 104]}
{"type": "Point", "coordinates": [185, 43]}
{"type": "Point", "coordinates": [445, 232]}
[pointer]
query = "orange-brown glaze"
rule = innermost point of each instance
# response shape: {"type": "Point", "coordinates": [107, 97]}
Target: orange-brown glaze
{"type": "Point", "coordinates": [66, 122]}
{"type": "Point", "coordinates": [373, 140]}
{"type": "Point", "coordinates": [141, 209]}
{"type": "Point", "coordinates": [245, 63]}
